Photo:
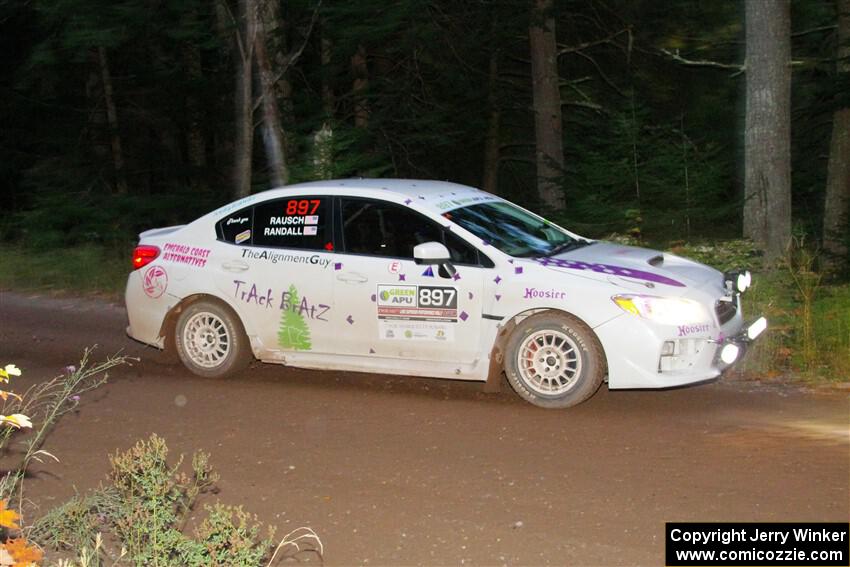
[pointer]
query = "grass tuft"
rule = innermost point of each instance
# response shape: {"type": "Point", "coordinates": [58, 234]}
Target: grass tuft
{"type": "Point", "coordinates": [86, 270]}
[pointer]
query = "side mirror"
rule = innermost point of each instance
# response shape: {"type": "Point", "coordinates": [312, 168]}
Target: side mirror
{"type": "Point", "coordinates": [434, 254]}
{"type": "Point", "coordinates": [431, 253]}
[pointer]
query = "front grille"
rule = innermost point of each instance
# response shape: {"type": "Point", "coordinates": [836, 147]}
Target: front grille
{"type": "Point", "coordinates": [725, 311]}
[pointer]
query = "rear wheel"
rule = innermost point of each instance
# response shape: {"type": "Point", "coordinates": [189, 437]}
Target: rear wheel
{"type": "Point", "coordinates": [553, 361]}
{"type": "Point", "coordinates": [210, 340]}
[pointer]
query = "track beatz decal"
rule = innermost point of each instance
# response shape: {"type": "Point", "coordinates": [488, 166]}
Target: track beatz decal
{"type": "Point", "coordinates": [296, 311]}
{"type": "Point", "coordinates": [183, 254]}
{"type": "Point", "coordinates": [416, 312]}
{"type": "Point", "coordinates": [609, 269]}
{"type": "Point", "coordinates": [155, 281]}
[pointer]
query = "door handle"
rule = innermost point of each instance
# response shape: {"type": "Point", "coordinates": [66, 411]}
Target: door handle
{"type": "Point", "coordinates": [235, 266]}
{"type": "Point", "coordinates": [352, 277]}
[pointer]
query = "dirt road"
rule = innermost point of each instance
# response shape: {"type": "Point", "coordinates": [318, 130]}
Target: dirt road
{"type": "Point", "coordinates": [404, 471]}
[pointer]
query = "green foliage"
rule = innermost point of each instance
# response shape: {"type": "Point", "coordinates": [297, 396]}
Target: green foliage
{"type": "Point", "coordinates": [647, 177]}
{"type": "Point", "coordinates": [61, 217]}
{"type": "Point", "coordinates": [723, 255]}
{"type": "Point", "coordinates": [335, 150]}
{"type": "Point", "coordinates": [46, 403]}
{"type": "Point", "coordinates": [146, 505]}
{"type": "Point", "coordinates": [83, 269]}
{"type": "Point", "coordinates": [75, 524]}
{"type": "Point", "coordinates": [808, 337]}
{"type": "Point", "coordinates": [154, 499]}
{"type": "Point", "coordinates": [230, 536]}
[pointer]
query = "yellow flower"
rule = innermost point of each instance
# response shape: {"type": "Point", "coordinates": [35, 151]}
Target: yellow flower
{"type": "Point", "coordinates": [12, 370]}
{"type": "Point", "coordinates": [16, 420]}
{"type": "Point", "coordinates": [8, 518]}
{"type": "Point", "coordinates": [22, 552]}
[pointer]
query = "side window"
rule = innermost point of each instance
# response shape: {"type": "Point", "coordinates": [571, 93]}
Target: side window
{"type": "Point", "coordinates": [461, 251]}
{"type": "Point", "coordinates": [296, 222]}
{"type": "Point", "coordinates": [379, 228]}
{"type": "Point", "coordinates": [236, 227]}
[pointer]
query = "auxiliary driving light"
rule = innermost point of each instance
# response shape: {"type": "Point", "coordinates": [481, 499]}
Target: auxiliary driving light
{"type": "Point", "coordinates": [729, 353]}
{"type": "Point", "coordinates": [738, 280]}
{"type": "Point", "coordinates": [757, 328]}
{"type": "Point", "coordinates": [744, 281]}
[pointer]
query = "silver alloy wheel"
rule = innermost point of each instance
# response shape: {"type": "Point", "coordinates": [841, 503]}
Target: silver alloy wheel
{"type": "Point", "coordinates": [549, 362]}
{"type": "Point", "coordinates": [206, 340]}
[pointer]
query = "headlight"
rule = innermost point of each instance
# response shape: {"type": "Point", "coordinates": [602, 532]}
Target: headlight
{"type": "Point", "coordinates": [663, 310]}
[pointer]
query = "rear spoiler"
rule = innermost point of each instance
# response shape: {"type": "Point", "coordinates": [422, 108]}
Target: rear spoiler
{"type": "Point", "coordinates": [160, 231]}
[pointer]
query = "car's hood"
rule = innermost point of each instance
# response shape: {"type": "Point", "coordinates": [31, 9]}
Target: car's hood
{"type": "Point", "coordinates": [636, 267]}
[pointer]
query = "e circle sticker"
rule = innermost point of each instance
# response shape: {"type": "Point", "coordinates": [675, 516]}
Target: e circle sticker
{"type": "Point", "coordinates": [155, 281]}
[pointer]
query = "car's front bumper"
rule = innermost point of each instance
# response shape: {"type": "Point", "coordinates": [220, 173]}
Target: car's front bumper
{"type": "Point", "coordinates": [642, 355]}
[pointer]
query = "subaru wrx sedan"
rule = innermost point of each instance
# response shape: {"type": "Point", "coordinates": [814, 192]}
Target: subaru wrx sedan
{"type": "Point", "coordinates": [426, 278]}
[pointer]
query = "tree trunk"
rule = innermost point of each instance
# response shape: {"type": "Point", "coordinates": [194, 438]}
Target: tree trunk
{"type": "Point", "coordinates": [837, 200]}
{"type": "Point", "coordinates": [97, 118]}
{"type": "Point", "coordinates": [244, 145]}
{"type": "Point", "coordinates": [767, 136]}
{"type": "Point", "coordinates": [276, 48]}
{"type": "Point", "coordinates": [273, 137]}
{"type": "Point", "coordinates": [360, 71]}
{"type": "Point", "coordinates": [491, 140]}
{"type": "Point", "coordinates": [112, 119]}
{"type": "Point", "coordinates": [323, 152]}
{"type": "Point", "coordinates": [548, 128]}
{"type": "Point", "coordinates": [327, 90]}
{"type": "Point", "coordinates": [196, 142]}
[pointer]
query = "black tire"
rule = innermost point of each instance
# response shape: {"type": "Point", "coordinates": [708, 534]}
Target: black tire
{"type": "Point", "coordinates": [553, 361]}
{"type": "Point", "coordinates": [210, 340]}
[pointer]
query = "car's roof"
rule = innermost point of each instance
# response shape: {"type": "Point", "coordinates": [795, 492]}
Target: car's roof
{"type": "Point", "coordinates": [407, 187]}
{"type": "Point", "coordinates": [439, 196]}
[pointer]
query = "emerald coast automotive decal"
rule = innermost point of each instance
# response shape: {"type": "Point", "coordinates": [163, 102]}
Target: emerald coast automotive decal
{"type": "Point", "coordinates": [155, 281]}
{"type": "Point", "coordinates": [417, 312]}
{"type": "Point", "coordinates": [185, 254]}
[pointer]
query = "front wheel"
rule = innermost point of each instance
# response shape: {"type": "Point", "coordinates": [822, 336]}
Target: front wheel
{"type": "Point", "coordinates": [553, 361]}
{"type": "Point", "coordinates": [210, 340]}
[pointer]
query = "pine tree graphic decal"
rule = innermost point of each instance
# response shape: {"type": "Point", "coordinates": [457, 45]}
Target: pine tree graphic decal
{"type": "Point", "coordinates": [294, 334]}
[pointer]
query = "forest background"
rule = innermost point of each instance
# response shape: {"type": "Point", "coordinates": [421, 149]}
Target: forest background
{"type": "Point", "coordinates": [677, 124]}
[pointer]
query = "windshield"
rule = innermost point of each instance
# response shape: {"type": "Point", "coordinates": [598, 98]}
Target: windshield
{"type": "Point", "coordinates": [512, 230]}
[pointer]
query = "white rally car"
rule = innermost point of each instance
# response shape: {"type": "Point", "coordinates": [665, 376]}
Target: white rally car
{"type": "Point", "coordinates": [429, 278]}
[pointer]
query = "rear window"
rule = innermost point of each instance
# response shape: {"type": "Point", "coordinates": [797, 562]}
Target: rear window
{"type": "Point", "coordinates": [236, 227]}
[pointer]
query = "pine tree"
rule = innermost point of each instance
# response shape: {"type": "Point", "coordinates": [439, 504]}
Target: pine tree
{"type": "Point", "coordinates": [294, 334]}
